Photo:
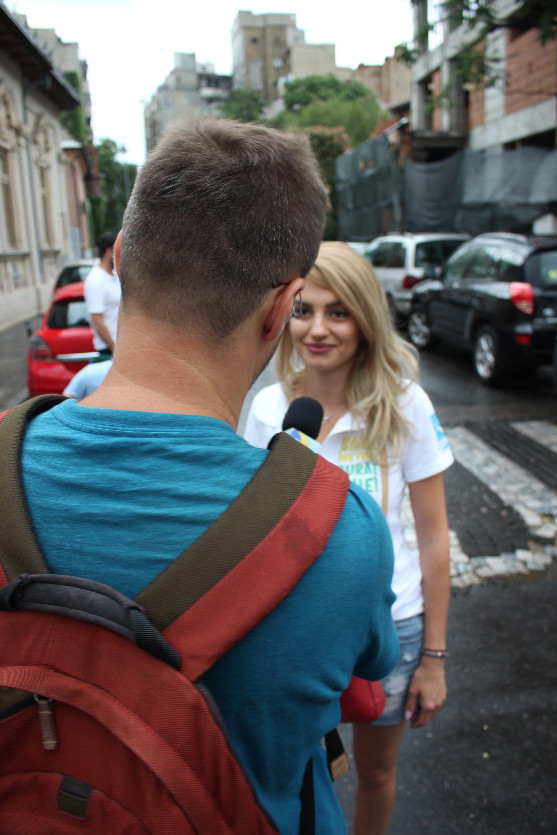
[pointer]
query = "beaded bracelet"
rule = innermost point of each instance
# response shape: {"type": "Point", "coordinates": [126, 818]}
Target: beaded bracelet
{"type": "Point", "coordinates": [435, 653]}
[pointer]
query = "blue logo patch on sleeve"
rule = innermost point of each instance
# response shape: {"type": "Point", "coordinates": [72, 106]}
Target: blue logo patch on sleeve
{"type": "Point", "coordinates": [441, 437]}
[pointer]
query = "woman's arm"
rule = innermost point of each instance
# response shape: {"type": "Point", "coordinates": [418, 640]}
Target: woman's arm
{"type": "Point", "coordinates": [427, 689]}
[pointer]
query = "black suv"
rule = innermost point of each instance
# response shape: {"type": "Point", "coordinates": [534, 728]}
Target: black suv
{"type": "Point", "coordinates": [496, 296]}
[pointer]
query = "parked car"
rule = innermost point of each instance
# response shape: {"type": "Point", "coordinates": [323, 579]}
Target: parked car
{"type": "Point", "coordinates": [497, 297]}
{"type": "Point", "coordinates": [403, 260]}
{"type": "Point", "coordinates": [61, 345]}
{"type": "Point", "coordinates": [73, 272]}
{"type": "Point", "coordinates": [358, 246]}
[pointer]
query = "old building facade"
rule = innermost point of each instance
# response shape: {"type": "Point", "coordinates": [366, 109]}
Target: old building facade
{"type": "Point", "coordinates": [516, 107]}
{"type": "Point", "coordinates": [34, 221]}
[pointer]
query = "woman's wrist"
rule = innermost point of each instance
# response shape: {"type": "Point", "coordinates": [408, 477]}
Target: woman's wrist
{"type": "Point", "coordinates": [434, 653]}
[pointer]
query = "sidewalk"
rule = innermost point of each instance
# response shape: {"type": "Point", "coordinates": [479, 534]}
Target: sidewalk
{"type": "Point", "coordinates": [13, 366]}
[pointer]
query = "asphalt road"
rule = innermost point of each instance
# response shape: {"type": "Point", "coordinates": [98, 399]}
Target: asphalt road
{"type": "Point", "coordinates": [486, 763]}
{"type": "Point", "coordinates": [447, 376]}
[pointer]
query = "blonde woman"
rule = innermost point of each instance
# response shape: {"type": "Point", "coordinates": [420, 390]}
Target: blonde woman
{"type": "Point", "coordinates": [380, 426]}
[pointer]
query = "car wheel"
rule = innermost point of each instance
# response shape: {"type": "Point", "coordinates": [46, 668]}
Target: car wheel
{"type": "Point", "coordinates": [419, 330]}
{"type": "Point", "coordinates": [488, 362]}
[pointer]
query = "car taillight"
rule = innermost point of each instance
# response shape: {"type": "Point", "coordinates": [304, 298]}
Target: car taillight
{"type": "Point", "coordinates": [522, 296]}
{"type": "Point", "coordinates": [409, 281]}
{"type": "Point", "coordinates": [40, 350]}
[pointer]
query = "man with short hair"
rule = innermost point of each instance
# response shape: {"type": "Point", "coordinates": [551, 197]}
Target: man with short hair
{"type": "Point", "coordinates": [102, 297]}
{"type": "Point", "coordinates": [224, 222]}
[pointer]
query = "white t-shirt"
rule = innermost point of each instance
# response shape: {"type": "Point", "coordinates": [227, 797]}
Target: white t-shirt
{"type": "Point", "coordinates": [102, 295]}
{"type": "Point", "coordinates": [425, 453]}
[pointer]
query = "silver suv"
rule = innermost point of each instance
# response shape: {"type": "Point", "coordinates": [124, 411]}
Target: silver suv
{"type": "Point", "coordinates": [404, 259]}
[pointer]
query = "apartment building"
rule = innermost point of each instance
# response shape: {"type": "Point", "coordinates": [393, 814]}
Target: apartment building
{"type": "Point", "coordinates": [269, 50]}
{"type": "Point", "coordinates": [190, 90]}
{"type": "Point", "coordinates": [66, 58]}
{"type": "Point", "coordinates": [517, 109]}
{"type": "Point", "coordinates": [390, 81]}
{"type": "Point", "coordinates": [34, 216]}
{"type": "Point", "coordinates": [261, 46]}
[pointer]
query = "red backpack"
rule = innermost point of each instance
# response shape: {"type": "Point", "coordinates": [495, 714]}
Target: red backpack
{"type": "Point", "coordinates": [104, 727]}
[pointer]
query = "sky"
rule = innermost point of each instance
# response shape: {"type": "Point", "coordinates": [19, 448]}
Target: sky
{"type": "Point", "coordinates": [129, 45]}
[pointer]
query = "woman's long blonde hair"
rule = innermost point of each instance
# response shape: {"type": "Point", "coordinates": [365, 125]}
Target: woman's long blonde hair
{"type": "Point", "coordinates": [385, 363]}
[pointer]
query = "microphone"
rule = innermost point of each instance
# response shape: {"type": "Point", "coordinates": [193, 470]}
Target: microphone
{"type": "Point", "coordinates": [303, 421]}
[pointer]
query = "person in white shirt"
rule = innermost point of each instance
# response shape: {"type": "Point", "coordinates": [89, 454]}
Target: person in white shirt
{"type": "Point", "coordinates": [102, 297]}
{"type": "Point", "coordinates": [380, 427]}
{"type": "Point", "coordinates": [88, 379]}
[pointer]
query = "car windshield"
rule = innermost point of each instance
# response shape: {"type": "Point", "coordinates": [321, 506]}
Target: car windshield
{"type": "Point", "coordinates": [71, 275]}
{"type": "Point", "coordinates": [68, 313]}
{"type": "Point", "coordinates": [435, 252]}
{"type": "Point", "coordinates": [541, 269]}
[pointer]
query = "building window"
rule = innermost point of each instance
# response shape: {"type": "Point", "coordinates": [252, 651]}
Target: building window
{"type": "Point", "coordinates": [277, 62]}
{"type": "Point", "coordinates": [6, 200]}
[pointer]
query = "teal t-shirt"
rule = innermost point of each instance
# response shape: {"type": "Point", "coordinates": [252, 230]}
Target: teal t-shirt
{"type": "Point", "coordinates": [115, 496]}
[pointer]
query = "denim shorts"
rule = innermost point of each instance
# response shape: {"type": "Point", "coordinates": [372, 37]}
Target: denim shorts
{"type": "Point", "coordinates": [410, 638]}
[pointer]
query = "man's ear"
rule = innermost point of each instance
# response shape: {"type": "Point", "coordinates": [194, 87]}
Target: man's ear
{"type": "Point", "coordinates": [281, 310]}
{"type": "Point", "coordinates": [117, 250]}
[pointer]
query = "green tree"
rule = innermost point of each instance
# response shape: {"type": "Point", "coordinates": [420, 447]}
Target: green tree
{"type": "Point", "coordinates": [327, 144]}
{"type": "Point", "coordinates": [243, 105]}
{"type": "Point", "coordinates": [357, 118]}
{"type": "Point", "coordinates": [117, 180]}
{"type": "Point", "coordinates": [304, 91]}
{"type": "Point", "coordinates": [326, 101]}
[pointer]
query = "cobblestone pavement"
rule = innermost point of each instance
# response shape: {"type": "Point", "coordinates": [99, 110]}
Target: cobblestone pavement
{"type": "Point", "coordinates": [502, 514]}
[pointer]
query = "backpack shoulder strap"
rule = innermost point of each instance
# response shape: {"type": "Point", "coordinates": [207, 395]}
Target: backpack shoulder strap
{"type": "Point", "coordinates": [251, 558]}
{"type": "Point", "coordinates": [242, 566]}
{"type": "Point", "coordinates": [19, 548]}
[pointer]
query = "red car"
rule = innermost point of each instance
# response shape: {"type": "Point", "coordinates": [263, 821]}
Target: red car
{"type": "Point", "coordinates": [61, 345]}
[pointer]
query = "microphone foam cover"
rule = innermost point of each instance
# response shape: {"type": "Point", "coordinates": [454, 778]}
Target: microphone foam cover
{"type": "Point", "coordinates": [305, 414]}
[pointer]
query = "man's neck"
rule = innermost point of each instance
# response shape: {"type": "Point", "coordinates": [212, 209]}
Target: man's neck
{"type": "Point", "coordinates": [157, 369]}
{"type": "Point", "coordinates": [107, 264]}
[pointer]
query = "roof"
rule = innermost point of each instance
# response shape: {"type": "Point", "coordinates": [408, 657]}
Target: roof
{"type": "Point", "coordinates": [70, 291]}
{"type": "Point", "coordinates": [529, 241]}
{"type": "Point", "coordinates": [34, 63]}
